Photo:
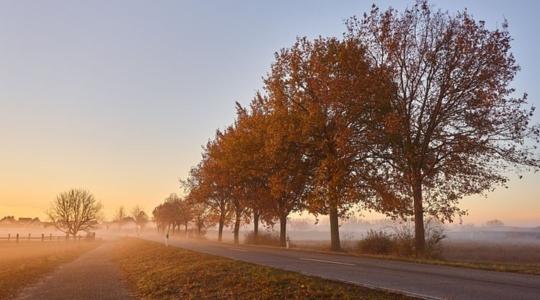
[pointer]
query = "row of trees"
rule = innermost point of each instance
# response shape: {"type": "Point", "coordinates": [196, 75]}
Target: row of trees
{"type": "Point", "coordinates": [177, 212]}
{"type": "Point", "coordinates": [405, 114]}
{"type": "Point", "coordinates": [138, 217]}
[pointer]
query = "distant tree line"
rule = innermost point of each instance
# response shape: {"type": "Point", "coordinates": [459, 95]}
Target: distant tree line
{"type": "Point", "coordinates": [176, 213]}
{"type": "Point", "coordinates": [78, 210]}
{"type": "Point", "coordinates": [405, 114]}
{"type": "Point", "coordinates": [138, 217]}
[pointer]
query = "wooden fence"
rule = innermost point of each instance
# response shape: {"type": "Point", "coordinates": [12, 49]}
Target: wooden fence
{"type": "Point", "coordinates": [43, 237]}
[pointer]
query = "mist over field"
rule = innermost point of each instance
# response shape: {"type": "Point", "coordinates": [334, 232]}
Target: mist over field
{"type": "Point", "coordinates": [308, 229]}
{"type": "Point", "coordinates": [269, 150]}
{"type": "Point", "coordinates": [510, 244]}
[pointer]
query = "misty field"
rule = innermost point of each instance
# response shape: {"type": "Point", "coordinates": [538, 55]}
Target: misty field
{"type": "Point", "coordinates": [24, 262]}
{"type": "Point", "coordinates": [158, 272]}
{"type": "Point", "coordinates": [503, 256]}
{"type": "Point", "coordinates": [511, 253]}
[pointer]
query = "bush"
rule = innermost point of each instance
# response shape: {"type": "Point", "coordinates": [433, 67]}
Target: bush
{"type": "Point", "coordinates": [263, 238]}
{"type": "Point", "coordinates": [401, 241]}
{"type": "Point", "coordinates": [376, 242]}
{"type": "Point", "coordinates": [434, 237]}
{"type": "Point", "coordinates": [404, 238]}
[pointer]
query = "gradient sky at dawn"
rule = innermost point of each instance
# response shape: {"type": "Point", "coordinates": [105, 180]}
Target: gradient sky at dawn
{"type": "Point", "coordinates": [118, 96]}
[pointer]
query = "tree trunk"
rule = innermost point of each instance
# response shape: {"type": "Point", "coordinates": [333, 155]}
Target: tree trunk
{"type": "Point", "coordinates": [283, 230]}
{"type": "Point", "coordinates": [220, 229]}
{"type": "Point", "coordinates": [256, 226]}
{"type": "Point", "coordinates": [334, 229]}
{"type": "Point", "coordinates": [237, 229]}
{"type": "Point", "coordinates": [186, 228]}
{"type": "Point", "coordinates": [419, 234]}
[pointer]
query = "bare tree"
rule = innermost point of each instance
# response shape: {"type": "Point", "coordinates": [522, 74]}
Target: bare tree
{"type": "Point", "coordinates": [140, 217]}
{"type": "Point", "coordinates": [120, 216]}
{"type": "Point", "coordinates": [74, 211]}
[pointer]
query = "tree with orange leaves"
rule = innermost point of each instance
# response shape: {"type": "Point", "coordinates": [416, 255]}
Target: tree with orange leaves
{"type": "Point", "coordinates": [286, 167]}
{"type": "Point", "coordinates": [454, 125]}
{"type": "Point", "coordinates": [245, 160]}
{"type": "Point", "coordinates": [335, 93]}
{"type": "Point", "coordinates": [209, 180]}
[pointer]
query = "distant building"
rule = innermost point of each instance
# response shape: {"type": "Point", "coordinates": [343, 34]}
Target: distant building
{"type": "Point", "coordinates": [8, 220]}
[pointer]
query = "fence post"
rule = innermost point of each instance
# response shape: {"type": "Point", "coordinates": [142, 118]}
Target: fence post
{"type": "Point", "coordinates": [42, 237]}
{"type": "Point", "coordinates": [17, 238]}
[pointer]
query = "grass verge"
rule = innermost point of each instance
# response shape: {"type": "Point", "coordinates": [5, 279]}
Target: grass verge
{"type": "Point", "coordinates": [531, 269]}
{"type": "Point", "coordinates": [158, 272]}
{"type": "Point", "coordinates": [24, 262]}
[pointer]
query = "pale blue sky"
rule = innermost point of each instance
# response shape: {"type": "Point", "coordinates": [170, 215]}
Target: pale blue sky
{"type": "Point", "coordinates": [118, 96]}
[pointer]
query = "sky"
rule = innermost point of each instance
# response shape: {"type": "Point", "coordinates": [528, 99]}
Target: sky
{"type": "Point", "coordinates": [119, 96]}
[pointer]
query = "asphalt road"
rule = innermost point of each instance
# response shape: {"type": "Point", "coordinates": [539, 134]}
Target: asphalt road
{"type": "Point", "coordinates": [419, 280]}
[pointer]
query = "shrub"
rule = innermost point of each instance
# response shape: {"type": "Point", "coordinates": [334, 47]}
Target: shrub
{"type": "Point", "coordinates": [376, 242]}
{"type": "Point", "coordinates": [401, 241]}
{"type": "Point", "coordinates": [434, 237]}
{"type": "Point", "coordinates": [404, 238]}
{"type": "Point", "coordinates": [263, 238]}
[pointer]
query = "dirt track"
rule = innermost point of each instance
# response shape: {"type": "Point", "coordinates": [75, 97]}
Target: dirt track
{"type": "Point", "coordinates": [91, 276]}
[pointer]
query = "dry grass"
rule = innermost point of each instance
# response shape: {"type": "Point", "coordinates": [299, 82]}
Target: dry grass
{"type": "Point", "coordinates": [470, 251]}
{"type": "Point", "coordinates": [515, 258]}
{"type": "Point", "coordinates": [263, 238]}
{"type": "Point", "coordinates": [23, 263]}
{"type": "Point", "coordinates": [157, 272]}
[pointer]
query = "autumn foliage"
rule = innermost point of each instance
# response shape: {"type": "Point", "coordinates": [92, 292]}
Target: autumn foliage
{"type": "Point", "coordinates": [405, 114]}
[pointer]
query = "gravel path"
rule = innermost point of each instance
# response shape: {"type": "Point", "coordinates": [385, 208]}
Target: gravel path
{"type": "Point", "coordinates": [91, 276]}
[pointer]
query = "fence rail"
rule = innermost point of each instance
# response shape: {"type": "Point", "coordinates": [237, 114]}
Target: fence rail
{"type": "Point", "coordinates": [16, 237]}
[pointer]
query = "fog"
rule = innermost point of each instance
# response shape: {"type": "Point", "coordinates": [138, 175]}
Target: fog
{"type": "Point", "coordinates": [305, 229]}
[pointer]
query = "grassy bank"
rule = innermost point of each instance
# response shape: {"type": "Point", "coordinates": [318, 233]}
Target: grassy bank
{"type": "Point", "coordinates": [157, 272]}
{"type": "Point", "coordinates": [23, 263]}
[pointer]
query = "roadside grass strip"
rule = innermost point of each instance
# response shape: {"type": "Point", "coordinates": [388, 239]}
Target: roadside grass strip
{"type": "Point", "coordinates": [157, 272]}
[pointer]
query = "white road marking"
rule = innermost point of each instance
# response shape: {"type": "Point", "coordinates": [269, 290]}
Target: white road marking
{"type": "Point", "coordinates": [240, 250]}
{"type": "Point", "coordinates": [327, 261]}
